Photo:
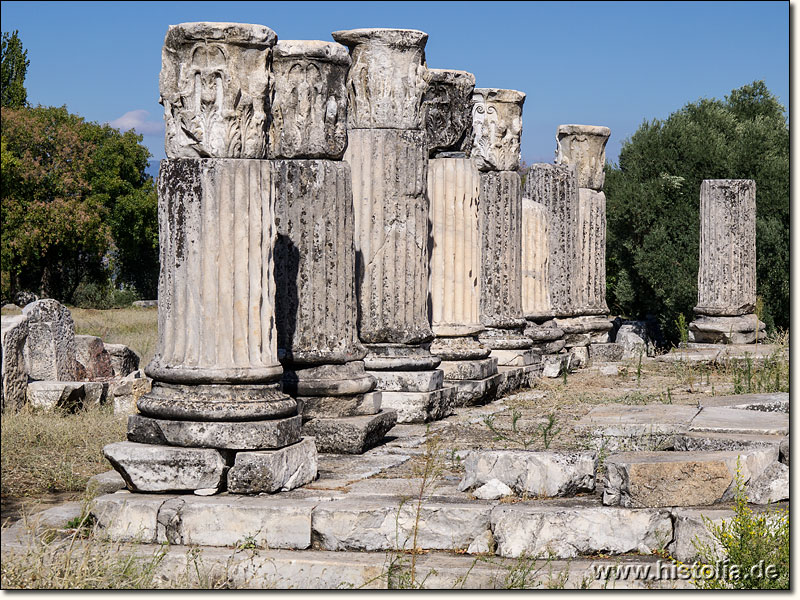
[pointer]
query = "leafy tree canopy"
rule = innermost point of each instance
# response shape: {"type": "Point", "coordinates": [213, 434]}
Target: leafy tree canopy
{"type": "Point", "coordinates": [653, 203]}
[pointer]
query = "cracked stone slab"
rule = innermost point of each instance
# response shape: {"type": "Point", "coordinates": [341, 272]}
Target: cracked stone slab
{"type": "Point", "coordinates": [616, 427]}
{"type": "Point", "coordinates": [542, 474]}
{"type": "Point", "coordinates": [771, 486]}
{"type": "Point", "coordinates": [536, 530]}
{"type": "Point", "coordinates": [375, 525]}
{"type": "Point", "coordinates": [731, 420]}
{"type": "Point", "coordinates": [157, 468]}
{"type": "Point", "coordinates": [348, 468]}
{"type": "Point", "coordinates": [661, 479]}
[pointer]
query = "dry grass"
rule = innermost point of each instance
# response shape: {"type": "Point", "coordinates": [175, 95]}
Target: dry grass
{"type": "Point", "coordinates": [137, 328]}
{"type": "Point", "coordinates": [55, 452]}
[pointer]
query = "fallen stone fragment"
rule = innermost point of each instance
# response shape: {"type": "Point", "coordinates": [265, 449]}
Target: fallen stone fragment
{"type": "Point", "coordinates": [105, 483]}
{"type": "Point", "coordinates": [124, 361]}
{"type": "Point", "coordinates": [606, 352]}
{"type": "Point", "coordinates": [483, 544]}
{"type": "Point", "coordinates": [273, 470]}
{"type": "Point", "coordinates": [50, 345]}
{"type": "Point", "coordinates": [771, 486]}
{"type": "Point", "coordinates": [92, 355]}
{"type": "Point", "coordinates": [15, 378]}
{"type": "Point", "coordinates": [541, 474]}
{"type": "Point", "coordinates": [152, 468]}
{"type": "Point", "coordinates": [493, 490]}
{"type": "Point", "coordinates": [784, 451]}
{"type": "Point", "coordinates": [48, 395]}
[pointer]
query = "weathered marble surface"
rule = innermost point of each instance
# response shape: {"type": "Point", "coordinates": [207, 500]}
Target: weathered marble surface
{"type": "Point", "coordinates": [214, 86]}
{"type": "Point", "coordinates": [50, 344]}
{"type": "Point", "coordinates": [591, 299]}
{"type": "Point", "coordinates": [742, 329]}
{"type": "Point", "coordinates": [726, 280]}
{"type": "Point", "coordinates": [216, 311]}
{"type": "Point", "coordinates": [535, 260]}
{"type": "Point", "coordinates": [15, 378]}
{"type": "Point", "coordinates": [315, 306]}
{"type": "Point", "coordinates": [501, 249]}
{"type": "Point", "coordinates": [585, 147]}
{"type": "Point", "coordinates": [496, 128]}
{"type": "Point", "coordinates": [309, 101]}
{"type": "Point", "coordinates": [447, 109]}
{"type": "Point", "coordinates": [453, 189]}
{"type": "Point", "coordinates": [389, 168]}
{"type": "Point", "coordinates": [274, 470]}
{"type": "Point", "coordinates": [387, 79]}
{"type": "Point", "coordinates": [556, 188]}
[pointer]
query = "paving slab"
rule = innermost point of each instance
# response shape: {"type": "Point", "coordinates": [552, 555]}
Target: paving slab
{"type": "Point", "coordinates": [731, 420]}
{"type": "Point", "coordinates": [705, 441]}
{"type": "Point", "coordinates": [770, 402]}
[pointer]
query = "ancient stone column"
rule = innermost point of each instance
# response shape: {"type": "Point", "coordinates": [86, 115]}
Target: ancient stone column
{"type": "Point", "coordinates": [314, 254]}
{"type": "Point", "coordinates": [388, 156]}
{"type": "Point", "coordinates": [726, 279]}
{"type": "Point", "coordinates": [583, 146]}
{"type": "Point", "coordinates": [496, 130]}
{"type": "Point", "coordinates": [216, 398]}
{"type": "Point", "coordinates": [453, 189]}
{"type": "Point", "coordinates": [535, 261]}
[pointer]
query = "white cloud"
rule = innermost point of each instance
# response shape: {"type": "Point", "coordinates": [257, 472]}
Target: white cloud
{"type": "Point", "coordinates": [138, 120]}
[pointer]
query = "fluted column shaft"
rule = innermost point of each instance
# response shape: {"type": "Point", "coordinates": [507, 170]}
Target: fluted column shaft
{"type": "Point", "coordinates": [453, 187]}
{"type": "Point", "coordinates": [216, 291]}
{"type": "Point", "coordinates": [555, 188]}
{"type": "Point", "coordinates": [535, 260]}
{"type": "Point", "coordinates": [726, 281]}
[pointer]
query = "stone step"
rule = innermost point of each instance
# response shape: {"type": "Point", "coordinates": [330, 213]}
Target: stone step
{"type": "Point", "coordinates": [731, 420]}
{"type": "Point", "coordinates": [662, 479]}
{"type": "Point", "coordinates": [769, 402]}
{"type": "Point", "coordinates": [512, 379]}
{"type": "Point", "coordinates": [350, 435]}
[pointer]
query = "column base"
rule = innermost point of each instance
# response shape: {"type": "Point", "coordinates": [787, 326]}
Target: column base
{"type": "Point", "coordinates": [350, 435]}
{"type": "Point", "coordinates": [472, 392]}
{"type": "Point", "coordinates": [408, 381]}
{"type": "Point", "coordinates": [216, 402]}
{"type": "Point", "coordinates": [512, 379]}
{"type": "Point", "coordinates": [327, 380]}
{"type": "Point", "coordinates": [400, 357]}
{"type": "Point", "coordinates": [504, 339]}
{"type": "Point", "coordinates": [744, 329]}
{"type": "Point", "coordinates": [515, 358]}
{"type": "Point", "coordinates": [459, 348]}
{"type": "Point", "coordinates": [335, 407]}
{"type": "Point", "coordinates": [420, 407]}
{"type": "Point", "coordinates": [584, 329]}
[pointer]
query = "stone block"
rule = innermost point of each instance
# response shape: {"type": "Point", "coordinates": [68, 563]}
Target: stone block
{"type": "Point", "coordinates": [15, 378]}
{"type": "Point", "coordinates": [50, 344]}
{"type": "Point", "coordinates": [309, 101]}
{"type": "Point", "coordinates": [585, 324]}
{"type": "Point", "coordinates": [129, 517]}
{"type": "Point", "coordinates": [727, 330]}
{"type": "Point", "coordinates": [784, 451]}
{"type": "Point", "coordinates": [553, 365]}
{"type": "Point", "coordinates": [214, 85]}
{"type": "Point", "coordinates": [494, 489]}
{"type": "Point", "coordinates": [400, 357]}
{"type": "Point", "coordinates": [230, 435]}
{"type": "Point", "coordinates": [769, 402]}
{"type": "Point", "coordinates": [350, 435]}
{"type": "Point", "coordinates": [126, 393]}
{"type": "Point", "coordinates": [151, 468]}
{"type": "Point", "coordinates": [105, 483]}
{"type": "Point", "coordinates": [772, 485]}
{"type": "Point", "coordinates": [95, 392]}
{"type": "Point", "coordinates": [470, 392]}
{"type": "Point", "coordinates": [346, 379]}
{"type": "Point", "coordinates": [378, 524]}
{"type": "Point", "coordinates": [334, 407]}
{"type": "Point", "coordinates": [574, 340]}
{"type": "Point", "coordinates": [731, 420]}
{"type": "Point", "coordinates": [537, 333]}
{"type": "Point", "coordinates": [271, 471]}
{"type": "Point", "coordinates": [124, 361]}
{"type": "Point", "coordinates": [145, 303]}
{"type": "Point", "coordinates": [541, 474]}
{"type": "Point", "coordinates": [661, 479]}
{"type": "Point", "coordinates": [420, 407]}
{"type": "Point", "coordinates": [690, 527]}
{"type": "Point", "coordinates": [537, 530]}
{"type": "Point", "coordinates": [553, 347]}
{"type": "Point", "coordinates": [468, 369]}
{"type": "Point", "coordinates": [579, 356]}
{"type": "Point", "coordinates": [514, 358]}
{"type": "Point", "coordinates": [505, 338]}
{"type": "Point", "coordinates": [512, 379]}
{"type": "Point", "coordinates": [606, 352]}
{"type": "Point", "coordinates": [408, 381]}
{"type": "Point", "coordinates": [699, 441]}
{"type": "Point", "coordinates": [463, 347]}
{"type": "Point", "coordinates": [48, 395]}
{"type": "Point", "coordinates": [92, 355]}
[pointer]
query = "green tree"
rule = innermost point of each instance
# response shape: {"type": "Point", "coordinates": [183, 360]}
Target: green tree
{"type": "Point", "coordinates": [13, 68]}
{"type": "Point", "coordinates": [653, 204]}
{"type": "Point", "coordinates": [77, 205]}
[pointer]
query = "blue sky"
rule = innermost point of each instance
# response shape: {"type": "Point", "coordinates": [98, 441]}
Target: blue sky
{"type": "Point", "coordinates": [596, 63]}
